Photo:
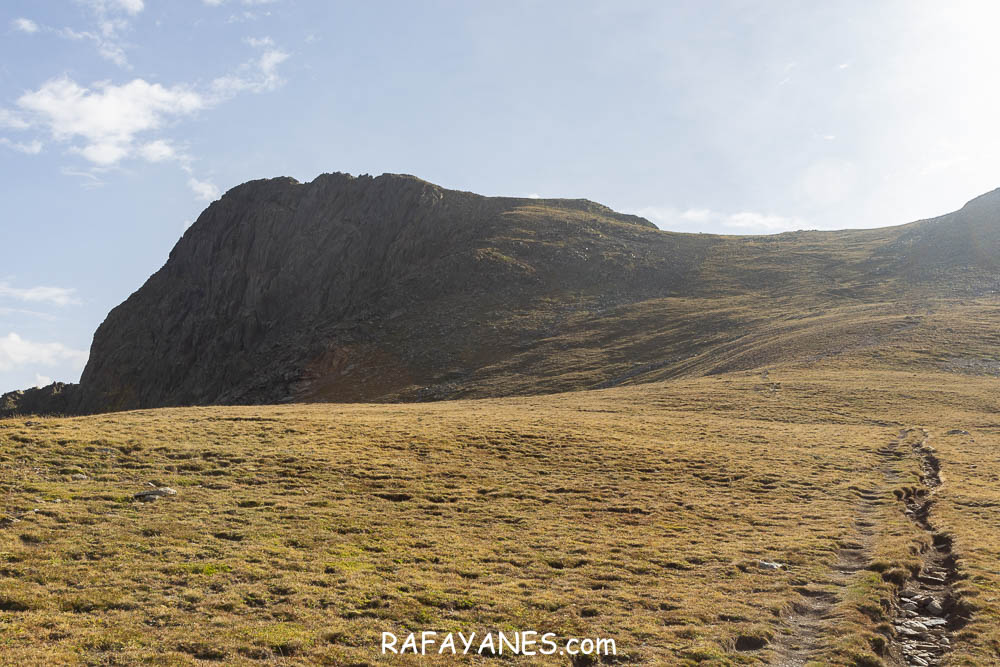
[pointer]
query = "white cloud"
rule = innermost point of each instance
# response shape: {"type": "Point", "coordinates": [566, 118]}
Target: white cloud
{"type": "Point", "coordinates": [103, 154]}
{"type": "Point", "coordinates": [104, 123]}
{"type": "Point", "coordinates": [256, 76]}
{"type": "Point", "coordinates": [131, 6]}
{"type": "Point", "coordinates": [9, 119]}
{"type": "Point", "coordinates": [16, 351]}
{"type": "Point", "coordinates": [42, 380]}
{"type": "Point", "coordinates": [25, 25]}
{"type": "Point", "coordinates": [101, 7]}
{"type": "Point", "coordinates": [246, 16]}
{"type": "Point", "coordinates": [707, 220]}
{"type": "Point", "coordinates": [204, 190]}
{"type": "Point", "coordinates": [107, 118]}
{"type": "Point", "coordinates": [6, 312]}
{"type": "Point", "coordinates": [90, 179]}
{"type": "Point", "coordinates": [33, 147]}
{"type": "Point", "coordinates": [157, 151]}
{"type": "Point", "coordinates": [112, 18]}
{"type": "Point", "coordinates": [106, 48]}
{"type": "Point", "coordinates": [697, 215]}
{"type": "Point", "coordinates": [59, 296]}
{"type": "Point", "coordinates": [107, 123]}
{"type": "Point", "coordinates": [750, 220]}
{"type": "Point", "coordinates": [258, 43]}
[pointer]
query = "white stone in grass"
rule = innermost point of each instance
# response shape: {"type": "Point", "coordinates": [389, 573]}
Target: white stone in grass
{"type": "Point", "coordinates": [153, 494]}
{"type": "Point", "coordinates": [770, 565]}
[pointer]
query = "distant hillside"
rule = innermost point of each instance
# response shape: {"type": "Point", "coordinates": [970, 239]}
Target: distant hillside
{"type": "Point", "coordinates": [394, 289]}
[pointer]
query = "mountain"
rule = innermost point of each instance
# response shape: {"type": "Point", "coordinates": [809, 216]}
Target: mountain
{"type": "Point", "coordinates": [394, 289]}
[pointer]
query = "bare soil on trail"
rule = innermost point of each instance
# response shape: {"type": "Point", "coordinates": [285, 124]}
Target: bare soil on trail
{"type": "Point", "coordinates": [926, 610]}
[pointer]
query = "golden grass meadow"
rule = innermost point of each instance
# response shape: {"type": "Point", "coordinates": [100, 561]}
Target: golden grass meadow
{"type": "Point", "coordinates": [645, 513]}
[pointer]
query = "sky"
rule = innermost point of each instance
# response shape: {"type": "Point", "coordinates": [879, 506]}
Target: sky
{"type": "Point", "coordinates": [120, 120]}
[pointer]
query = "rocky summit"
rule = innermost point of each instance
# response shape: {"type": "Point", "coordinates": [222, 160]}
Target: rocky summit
{"type": "Point", "coordinates": [391, 288]}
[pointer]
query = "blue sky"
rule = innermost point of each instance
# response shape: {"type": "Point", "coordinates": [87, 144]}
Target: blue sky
{"type": "Point", "coordinates": [120, 120]}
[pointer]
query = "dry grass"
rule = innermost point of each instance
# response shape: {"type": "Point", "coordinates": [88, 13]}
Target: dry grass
{"type": "Point", "coordinates": [300, 533]}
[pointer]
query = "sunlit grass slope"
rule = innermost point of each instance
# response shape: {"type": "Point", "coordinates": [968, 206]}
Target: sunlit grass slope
{"type": "Point", "coordinates": [300, 533]}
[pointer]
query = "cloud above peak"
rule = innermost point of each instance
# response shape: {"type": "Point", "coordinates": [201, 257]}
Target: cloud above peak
{"type": "Point", "coordinates": [103, 122]}
{"type": "Point", "coordinates": [203, 190]}
{"type": "Point", "coordinates": [107, 123]}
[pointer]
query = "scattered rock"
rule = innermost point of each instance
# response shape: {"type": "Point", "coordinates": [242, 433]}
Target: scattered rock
{"type": "Point", "coordinates": [79, 477]}
{"type": "Point", "coordinates": [153, 494]}
{"type": "Point", "coordinates": [934, 608]}
{"type": "Point", "coordinates": [771, 565]}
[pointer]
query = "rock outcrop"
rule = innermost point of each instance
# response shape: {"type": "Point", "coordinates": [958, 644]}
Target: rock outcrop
{"type": "Point", "coordinates": [57, 398]}
{"type": "Point", "coordinates": [363, 289]}
{"type": "Point", "coordinates": [394, 289]}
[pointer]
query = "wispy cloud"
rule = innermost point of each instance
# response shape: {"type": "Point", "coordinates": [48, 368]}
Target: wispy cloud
{"type": "Point", "coordinates": [107, 123]}
{"type": "Point", "coordinates": [6, 312]}
{"type": "Point", "coordinates": [33, 147]}
{"type": "Point", "coordinates": [90, 178]}
{"type": "Point", "coordinates": [158, 151]}
{"type": "Point", "coordinates": [59, 296]}
{"type": "Point", "coordinates": [257, 75]}
{"type": "Point", "coordinates": [708, 220]}
{"type": "Point", "coordinates": [248, 3]}
{"type": "Point", "coordinates": [203, 190]}
{"type": "Point", "coordinates": [11, 120]}
{"type": "Point", "coordinates": [24, 25]}
{"type": "Point", "coordinates": [258, 42]}
{"type": "Point", "coordinates": [16, 352]}
{"type": "Point", "coordinates": [131, 7]}
{"type": "Point", "coordinates": [112, 19]}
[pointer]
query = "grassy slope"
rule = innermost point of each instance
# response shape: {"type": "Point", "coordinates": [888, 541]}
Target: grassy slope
{"type": "Point", "coordinates": [301, 532]}
{"type": "Point", "coordinates": [693, 304]}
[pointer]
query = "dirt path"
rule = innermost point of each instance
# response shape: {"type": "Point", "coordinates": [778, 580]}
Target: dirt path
{"type": "Point", "coordinates": [810, 629]}
{"type": "Point", "coordinates": [926, 611]}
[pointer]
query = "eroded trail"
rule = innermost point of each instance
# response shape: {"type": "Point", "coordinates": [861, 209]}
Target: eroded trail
{"type": "Point", "coordinates": [810, 623]}
{"type": "Point", "coordinates": [928, 610]}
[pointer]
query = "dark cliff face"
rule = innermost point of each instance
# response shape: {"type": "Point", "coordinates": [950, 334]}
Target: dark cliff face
{"type": "Point", "coordinates": [392, 288]}
{"type": "Point", "coordinates": [357, 288]}
{"type": "Point", "coordinates": [55, 399]}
